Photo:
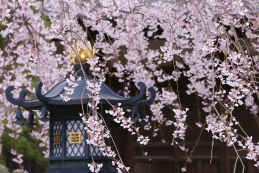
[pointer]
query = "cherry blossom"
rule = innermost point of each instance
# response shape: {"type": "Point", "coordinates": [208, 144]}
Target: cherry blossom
{"type": "Point", "coordinates": [200, 42]}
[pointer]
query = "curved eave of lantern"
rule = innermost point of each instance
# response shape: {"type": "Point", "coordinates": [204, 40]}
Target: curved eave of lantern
{"type": "Point", "coordinates": [53, 97]}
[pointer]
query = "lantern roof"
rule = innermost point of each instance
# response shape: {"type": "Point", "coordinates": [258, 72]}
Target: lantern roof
{"type": "Point", "coordinates": [81, 94]}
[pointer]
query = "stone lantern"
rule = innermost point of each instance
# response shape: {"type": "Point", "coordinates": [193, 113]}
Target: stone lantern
{"type": "Point", "coordinates": [68, 151]}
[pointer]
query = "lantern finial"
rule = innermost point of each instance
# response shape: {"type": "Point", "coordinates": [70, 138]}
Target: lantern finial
{"type": "Point", "coordinates": [82, 53]}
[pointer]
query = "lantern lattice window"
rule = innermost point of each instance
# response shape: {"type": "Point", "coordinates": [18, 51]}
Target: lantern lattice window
{"type": "Point", "coordinates": [57, 140]}
{"type": "Point", "coordinates": [72, 148]}
{"type": "Point", "coordinates": [95, 151]}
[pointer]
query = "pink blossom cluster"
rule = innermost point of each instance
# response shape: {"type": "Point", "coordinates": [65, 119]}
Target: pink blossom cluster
{"type": "Point", "coordinates": [201, 41]}
{"type": "Point", "coordinates": [18, 159]}
{"type": "Point", "coordinates": [222, 129]}
{"type": "Point", "coordinates": [120, 166]}
{"type": "Point", "coordinates": [15, 130]}
{"type": "Point", "coordinates": [118, 114]}
{"type": "Point", "coordinates": [42, 135]}
{"type": "Point", "coordinates": [96, 132]}
{"type": "Point", "coordinates": [95, 167]}
{"type": "Point", "coordinates": [71, 85]}
{"type": "Point", "coordinates": [26, 47]}
{"type": "Point", "coordinates": [180, 126]}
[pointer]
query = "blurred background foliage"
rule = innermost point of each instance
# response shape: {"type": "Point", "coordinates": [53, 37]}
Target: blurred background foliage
{"type": "Point", "coordinates": [25, 143]}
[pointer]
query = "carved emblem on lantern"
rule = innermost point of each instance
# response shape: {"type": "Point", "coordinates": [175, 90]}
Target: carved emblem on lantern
{"type": "Point", "coordinates": [56, 138]}
{"type": "Point", "coordinates": [75, 137]}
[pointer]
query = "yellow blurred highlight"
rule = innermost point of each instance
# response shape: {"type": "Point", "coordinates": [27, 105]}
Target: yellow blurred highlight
{"type": "Point", "coordinates": [82, 53]}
